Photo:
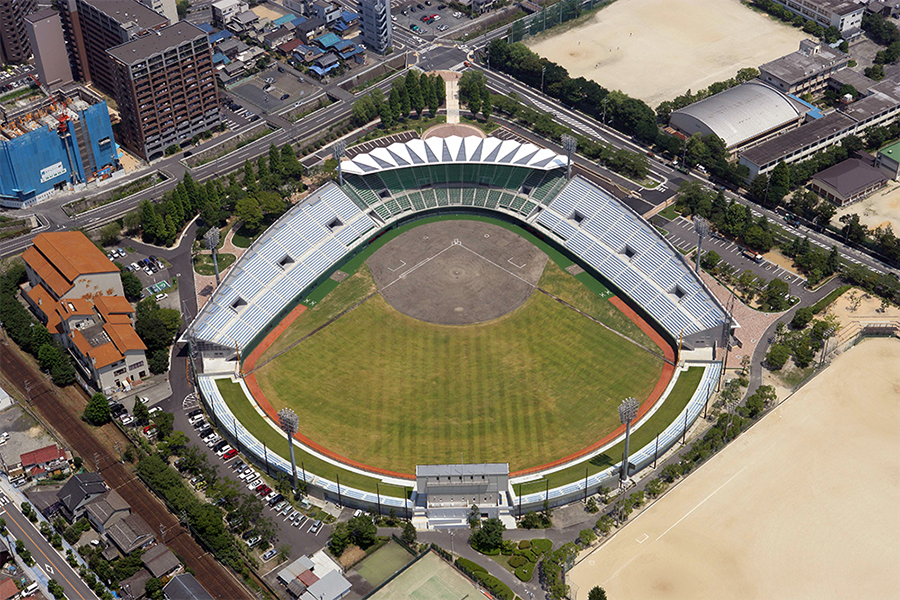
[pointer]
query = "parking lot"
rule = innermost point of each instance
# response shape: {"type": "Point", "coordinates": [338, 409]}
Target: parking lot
{"type": "Point", "coordinates": [272, 90]}
{"type": "Point", "coordinates": [425, 18]}
{"type": "Point", "coordinates": [151, 270]}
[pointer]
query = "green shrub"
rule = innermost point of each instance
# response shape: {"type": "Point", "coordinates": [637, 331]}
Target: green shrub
{"type": "Point", "coordinates": [524, 544]}
{"type": "Point", "coordinates": [508, 548]}
{"type": "Point", "coordinates": [470, 567]}
{"type": "Point", "coordinates": [541, 546]}
{"type": "Point", "coordinates": [525, 572]}
{"type": "Point", "coordinates": [517, 561]}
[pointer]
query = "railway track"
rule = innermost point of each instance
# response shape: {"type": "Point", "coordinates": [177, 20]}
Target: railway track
{"type": "Point", "coordinates": [212, 575]}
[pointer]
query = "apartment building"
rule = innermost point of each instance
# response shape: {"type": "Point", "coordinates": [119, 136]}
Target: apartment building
{"type": "Point", "coordinates": [375, 24]}
{"type": "Point", "coordinates": [14, 46]}
{"type": "Point", "coordinates": [166, 88]}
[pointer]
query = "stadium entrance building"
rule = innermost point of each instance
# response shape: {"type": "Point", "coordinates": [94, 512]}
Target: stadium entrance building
{"type": "Point", "coordinates": [53, 144]}
{"type": "Point", "coordinates": [445, 494]}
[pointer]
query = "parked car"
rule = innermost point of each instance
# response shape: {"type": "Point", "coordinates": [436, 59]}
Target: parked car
{"type": "Point", "coordinates": [279, 505]}
{"type": "Point", "coordinates": [316, 527]}
{"type": "Point", "coordinates": [127, 419]}
{"type": "Point", "coordinates": [260, 488]}
{"type": "Point", "coordinates": [301, 519]}
{"type": "Point", "coordinates": [219, 445]}
{"type": "Point", "coordinates": [251, 486]}
{"type": "Point", "coordinates": [253, 541]}
{"type": "Point", "coordinates": [276, 502]}
{"type": "Point", "coordinates": [269, 555]}
{"type": "Point", "coordinates": [270, 496]}
{"type": "Point", "coordinates": [215, 439]}
{"type": "Point", "coordinates": [224, 452]}
{"type": "Point", "coordinates": [247, 475]}
{"type": "Point", "coordinates": [238, 466]}
{"type": "Point", "coordinates": [265, 491]}
{"type": "Point", "coordinates": [284, 511]}
{"type": "Point", "coordinates": [195, 419]}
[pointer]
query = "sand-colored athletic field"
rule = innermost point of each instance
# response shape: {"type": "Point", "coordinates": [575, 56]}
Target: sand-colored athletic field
{"type": "Point", "coordinates": [657, 49]}
{"type": "Point", "coordinates": [804, 505]}
{"type": "Point", "coordinates": [878, 210]}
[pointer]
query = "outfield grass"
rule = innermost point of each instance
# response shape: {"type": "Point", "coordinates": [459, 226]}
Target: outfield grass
{"type": "Point", "coordinates": [392, 392]}
{"type": "Point", "coordinates": [274, 440]}
{"type": "Point", "coordinates": [589, 295]}
{"type": "Point", "coordinates": [676, 401]}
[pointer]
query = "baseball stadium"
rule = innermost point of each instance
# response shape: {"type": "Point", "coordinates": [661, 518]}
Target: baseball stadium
{"type": "Point", "coordinates": [456, 306]}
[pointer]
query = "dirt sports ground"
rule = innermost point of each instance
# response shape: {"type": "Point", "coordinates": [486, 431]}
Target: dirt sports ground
{"type": "Point", "coordinates": [804, 505]}
{"type": "Point", "coordinates": [657, 49]}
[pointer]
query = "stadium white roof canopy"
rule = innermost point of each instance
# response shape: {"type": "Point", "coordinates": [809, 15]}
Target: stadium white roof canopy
{"type": "Point", "coordinates": [454, 149]}
{"type": "Point", "coordinates": [738, 114]}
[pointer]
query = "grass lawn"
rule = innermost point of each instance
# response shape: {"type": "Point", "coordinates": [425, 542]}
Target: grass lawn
{"type": "Point", "coordinates": [670, 212]}
{"type": "Point", "coordinates": [203, 263]}
{"type": "Point", "coordinates": [674, 404]}
{"type": "Point", "coordinates": [384, 562]}
{"type": "Point", "coordinates": [245, 413]}
{"type": "Point", "coordinates": [243, 238]}
{"type": "Point", "coordinates": [391, 391]}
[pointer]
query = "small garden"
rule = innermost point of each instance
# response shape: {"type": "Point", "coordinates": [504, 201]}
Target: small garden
{"type": "Point", "coordinates": [203, 263]}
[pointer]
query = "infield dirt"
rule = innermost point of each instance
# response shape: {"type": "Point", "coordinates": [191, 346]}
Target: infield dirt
{"type": "Point", "coordinates": [657, 49]}
{"type": "Point", "coordinates": [804, 505]}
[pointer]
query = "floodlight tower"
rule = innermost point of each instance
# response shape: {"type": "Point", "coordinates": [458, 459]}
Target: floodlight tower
{"type": "Point", "coordinates": [701, 228]}
{"type": "Point", "coordinates": [569, 144]}
{"type": "Point", "coordinates": [288, 420]}
{"type": "Point", "coordinates": [627, 413]}
{"type": "Point", "coordinates": [340, 147]}
{"type": "Point", "coordinates": [212, 240]}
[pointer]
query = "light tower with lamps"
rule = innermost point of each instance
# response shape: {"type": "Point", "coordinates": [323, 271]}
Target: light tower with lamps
{"type": "Point", "coordinates": [288, 420]}
{"type": "Point", "coordinates": [701, 228]}
{"type": "Point", "coordinates": [569, 144]}
{"type": "Point", "coordinates": [211, 238]}
{"type": "Point", "coordinates": [627, 413]}
{"type": "Point", "coordinates": [338, 150]}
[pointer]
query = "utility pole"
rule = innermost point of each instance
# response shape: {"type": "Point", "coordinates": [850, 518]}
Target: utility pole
{"type": "Point", "coordinates": [569, 144]}
{"type": "Point", "coordinates": [338, 150]}
{"type": "Point", "coordinates": [627, 413]}
{"type": "Point", "coordinates": [212, 240]}
{"type": "Point", "coordinates": [701, 228]}
{"type": "Point", "coordinates": [288, 421]}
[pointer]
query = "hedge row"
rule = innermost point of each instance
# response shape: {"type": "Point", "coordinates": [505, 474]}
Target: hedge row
{"type": "Point", "coordinates": [831, 297]}
{"type": "Point", "coordinates": [480, 574]}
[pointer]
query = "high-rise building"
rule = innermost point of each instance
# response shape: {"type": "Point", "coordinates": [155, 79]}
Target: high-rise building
{"type": "Point", "coordinates": [375, 24]}
{"type": "Point", "coordinates": [54, 143]}
{"type": "Point", "coordinates": [45, 35]}
{"type": "Point", "coordinates": [14, 47]}
{"type": "Point", "coordinates": [166, 88]}
{"type": "Point", "coordinates": [166, 8]}
{"type": "Point", "coordinates": [94, 26]}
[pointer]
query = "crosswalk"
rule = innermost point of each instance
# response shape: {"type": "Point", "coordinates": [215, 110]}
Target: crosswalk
{"type": "Point", "coordinates": [4, 500]}
{"type": "Point", "coordinates": [243, 112]}
{"type": "Point", "coordinates": [230, 125]}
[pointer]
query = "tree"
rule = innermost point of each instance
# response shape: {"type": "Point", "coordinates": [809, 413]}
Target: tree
{"type": "Point", "coordinates": [779, 185]}
{"type": "Point", "coordinates": [249, 211]}
{"type": "Point", "coordinates": [131, 285]}
{"type": "Point", "coordinates": [802, 317]}
{"type": "Point", "coordinates": [853, 230]}
{"type": "Point", "coordinates": [777, 356]}
{"type": "Point", "coordinates": [132, 221]}
{"type": "Point", "coordinates": [408, 534]}
{"type": "Point", "coordinates": [284, 552]}
{"type": "Point", "coordinates": [163, 422]}
{"type": "Point", "coordinates": [710, 260]}
{"type": "Point", "coordinates": [597, 593]}
{"type": "Point", "coordinates": [153, 588]}
{"type": "Point", "coordinates": [97, 410]}
{"type": "Point", "coordinates": [141, 413]}
{"type": "Point", "coordinates": [489, 536]}
{"type": "Point", "coordinates": [775, 295]}
{"type": "Point", "coordinates": [473, 90]}
{"type": "Point", "coordinates": [109, 233]}
{"type": "Point", "coordinates": [586, 537]}
{"type": "Point", "coordinates": [362, 531]}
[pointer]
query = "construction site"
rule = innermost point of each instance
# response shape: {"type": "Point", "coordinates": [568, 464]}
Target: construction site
{"type": "Point", "coordinates": [54, 142]}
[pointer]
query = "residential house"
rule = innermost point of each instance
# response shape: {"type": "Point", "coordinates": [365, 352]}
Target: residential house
{"type": "Point", "coordinates": [77, 492]}
{"type": "Point", "coordinates": [160, 561]}
{"type": "Point", "coordinates": [288, 48]}
{"type": "Point", "coordinates": [324, 64]}
{"type": "Point", "coordinates": [310, 29]}
{"type": "Point", "coordinates": [219, 36]}
{"type": "Point", "coordinates": [345, 49]}
{"type": "Point", "coordinates": [307, 54]}
{"type": "Point", "coordinates": [347, 26]}
{"type": "Point", "coordinates": [130, 533]}
{"type": "Point", "coordinates": [333, 586]}
{"type": "Point", "coordinates": [231, 72]}
{"type": "Point", "coordinates": [5, 554]}
{"type": "Point", "coordinates": [275, 38]}
{"type": "Point", "coordinates": [136, 585]}
{"type": "Point", "coordinates": [44, 462]}
{"type": "Point", "coordinates": [106, 509]}
{"type": "Point", "coordinates": [243, 22]}
{"type": "Point", "coordinates": [185, 587]}
{"type": "Point", "coordinates": [231, 48]}
{"type": "Point", "coordinates": [8, 589]}
{"type": "Point", "coordinates": [224, 11]}
{"type": "Point", "coordinates": [327, 11]}
{"type": "Point", "coordinates": [327, 41]}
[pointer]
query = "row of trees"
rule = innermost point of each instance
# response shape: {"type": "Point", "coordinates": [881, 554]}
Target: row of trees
{"type": "Point", "coordinates": [802, 341]}
{"type": "Point", "coordinates": [31, 335]}
{"type": "Point", "coordinates": [414, 92]}
{"type": "Point", "coordinates": [772, 295]}
{"type": "Point", "coordinates": [828, 34]}
{"type": "Point", "coordinates": [473, 92]}
{"type": "Point", "coordinates": [729, 217]}
{"type": "Point", "coordinates": [260, 192]}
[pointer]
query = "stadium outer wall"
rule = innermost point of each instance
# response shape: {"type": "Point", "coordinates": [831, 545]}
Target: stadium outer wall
{"type": "Point", "coordinates": [264, 338]}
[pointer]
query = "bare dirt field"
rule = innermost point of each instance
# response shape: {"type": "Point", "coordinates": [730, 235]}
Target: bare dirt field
{"type": "Point", "coordinates": [457, 272]}
{"type": "Point", "coordinates": [804, 505]}
{"type": "Point", "coordinates": [657, 49]}
{"type": "Point", "coordinates": [879, 209]}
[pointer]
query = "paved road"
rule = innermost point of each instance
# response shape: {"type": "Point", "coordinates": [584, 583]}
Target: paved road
{"type": "Point", "coordinates": [48, 562]}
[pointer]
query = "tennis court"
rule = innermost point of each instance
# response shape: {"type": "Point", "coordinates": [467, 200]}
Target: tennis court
{"type": "Point", "coordinates": [428, 579]}
{"type": "Point", "coordinates": [384, 562]}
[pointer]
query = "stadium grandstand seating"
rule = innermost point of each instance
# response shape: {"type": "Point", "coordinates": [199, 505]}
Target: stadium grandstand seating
{"type": "Point", "coordinates": [504, 176]}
